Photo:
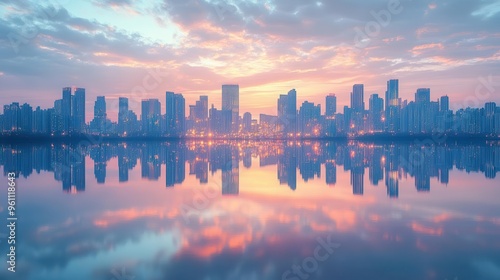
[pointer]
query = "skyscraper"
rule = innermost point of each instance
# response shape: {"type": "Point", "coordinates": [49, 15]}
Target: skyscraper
{"type": "Point", "coordinates": [287, 112]}
{"type": "Point", "coordinates": [392, 93]}
{"type": "Point", "coordinates": [122, 115]}
{"type": "Point", "coordinates": [309, 119]}
{"type": "Point", "coordinates": [175, 113]}
{"type": "Point", "coordinates": [331, 105]}
{"type": "Point", "coordinates": [423, 116]}
{"type": "Point", "coordinates": [444, 103]}
{"type": "Point", "coordinates": [231, 101]}
{"type": "Point", "coordinates": [423, 95]}
{"type": "Point", "coordinates": [150, 116]}
{"type": "Point", "coordinates": [357, 98]}
{"type": "Point", "coordinates": [66, 110]}
{"type": "Point", "coordinates": [78, 111]}
{"type": "Point", "coordinates": [376, 108]}
{"type": "Point", "coordinates": [98, 124]}
{"type": "Point", "coordinates": [392, 106]}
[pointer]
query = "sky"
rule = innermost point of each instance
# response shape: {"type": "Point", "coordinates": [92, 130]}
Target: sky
{"type": "Point", "coordinates": [141, 49]}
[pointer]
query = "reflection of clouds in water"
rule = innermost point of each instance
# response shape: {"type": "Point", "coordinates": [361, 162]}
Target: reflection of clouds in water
{"type": "Point", "coordinates": [487, 268]}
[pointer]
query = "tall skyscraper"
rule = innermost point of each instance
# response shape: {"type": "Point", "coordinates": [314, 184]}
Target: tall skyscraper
{"type": "Point", "coordinates": [150, 116]}
{"type": "Point", "coordinates": [357, 98]}
{"type": "Point", "coordinates": [66, 110]}
{"type": "Point", "coordinates": [231, 101]}
{"type": "Point", "coordinates": [444, 103]}
{"type": "Point", "coordinates": [392, 93]}
{"type": "Point", "coordinates": [331, 105]}
{"type": "Point", "coordinates": [78, 110]}
{"type": "Point", "coordinates": [123, 115]}
{"type": "Point", "coordinates": [375, 112]}
{"type": "Point", "coordinates": [287, 112]}
{"type": "Point", "coordinates": [56, 123]}
{"type": "Point", "coordinates": [98, 124]}
{"type": "Point", "coordinates": [392, 106]}
{"type": "Point", "coordinates": [175, 113]}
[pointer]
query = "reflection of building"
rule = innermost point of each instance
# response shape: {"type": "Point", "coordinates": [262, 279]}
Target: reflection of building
{"type": "Point", "coordinates": [175, 161]}
{"type": "Point", "coordinates": [357, 177]}
{"type": "Point", "coordinates": [376, 171]}
{"type": "Point", "coordinates": [287, 167]}
{"type": "Point", "coordinates": [331, 173]}
{"type": "Point", "coordinates": [151, 162]}
{"type": "Point", "coordinates": [392, 184]}
{"type": "Point", "coordinates": [231, 173]}
{"type": "Point", "coordinates": [389, 161]}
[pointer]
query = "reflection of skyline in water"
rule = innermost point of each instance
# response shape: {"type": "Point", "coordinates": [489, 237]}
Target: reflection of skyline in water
{"type": "Point", "coordinates": [228, 210]}
{"type": "Point", "coordinates": [386, 164]}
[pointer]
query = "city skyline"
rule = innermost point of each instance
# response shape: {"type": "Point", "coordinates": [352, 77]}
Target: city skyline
{"type": "Point", "coordinates": [292, 119]}
{"type": "Point", "coordinates": [129, 48]}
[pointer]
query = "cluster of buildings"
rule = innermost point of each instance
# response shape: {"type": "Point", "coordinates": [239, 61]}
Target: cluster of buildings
{"type": "Point", "coordinates": [295, 161]}
{"type": "Point", "coordinates": [389, 115]}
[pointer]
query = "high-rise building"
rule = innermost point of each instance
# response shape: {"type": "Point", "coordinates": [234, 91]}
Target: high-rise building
{"type": "Point", "coordinates": [357, 98]}
{"type": "Point", "coordinates": [123, 115]}
{"type": "Point", "coordinates": [26, 120]}
{"type": "Point", "coordinates": [247, 122]}
{"type": "Point", "coordinates": [497, 123]}
{"type": "Point", "coordinates": [392, 106]}
{"type": "Point", "coordinates": [220, 121]}
{"type": "Point", "coordinates": [423, 95]}
{"type": "Point", "coordinates": [56, 124]}
{"type": "Point", "coordinates": [231, 102]}
{"type": "Point", "coordinates": [66, 110]}
{"type": "Point", "coordinates": [376, 109]}
{"type": "Point", "coordinates": [309, 119]}
{"type": "Point", "coordinates": [198, 115]}
{"type": "Point", "coordinates": [175, 115]}
{"type": "Point", "coordinates": [98, 124]}
{"type": "Point", "coordinates": [78, 110]}
{"type": "Point", "coordinates": [331, 105]}
{"type": "Point", "coordinates": [392, 93]}
{"type": "Point", "coordinates": [287, 112]}
{"type": "Point", "coordinates": [444, 103]}
{"type": "Point", "coordinates": [150, 117]}
{"type": "Point", "coordinates": [12, 117]}
{"type": "Point", "coordinates": [489, 113]}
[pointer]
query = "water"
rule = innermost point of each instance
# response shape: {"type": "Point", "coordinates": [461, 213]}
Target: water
{"type": "Point", "coordinates": [254, 210]}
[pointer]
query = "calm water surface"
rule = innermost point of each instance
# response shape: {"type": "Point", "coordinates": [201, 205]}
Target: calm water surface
{"type": "Point", "coordinates": [254, 210]}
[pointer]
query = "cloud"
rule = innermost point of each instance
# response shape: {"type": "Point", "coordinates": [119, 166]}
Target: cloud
{"type": "Point", "coordinates": [266, 46]}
